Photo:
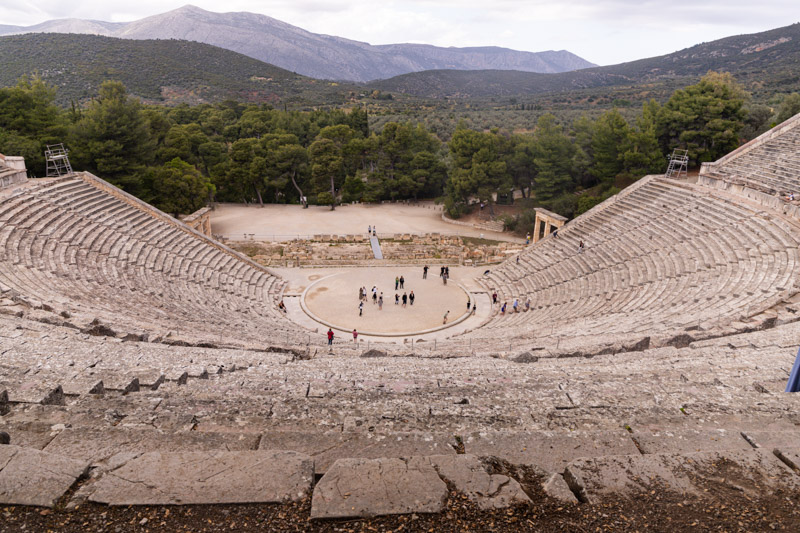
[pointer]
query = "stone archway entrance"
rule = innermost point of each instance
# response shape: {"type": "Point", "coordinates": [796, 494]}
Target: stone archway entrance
{"type": "Point", "coordinates": [547, 221]}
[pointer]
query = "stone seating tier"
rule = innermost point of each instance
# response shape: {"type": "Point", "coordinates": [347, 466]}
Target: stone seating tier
{"type": "Point", "coordinates": [769, 163]}
{"type": "Point", "coordinates": [665, 257]}
{"type": "Point", "coordinates": [104, 403]}
{"type": "Point", "coordinates": [76, 247]}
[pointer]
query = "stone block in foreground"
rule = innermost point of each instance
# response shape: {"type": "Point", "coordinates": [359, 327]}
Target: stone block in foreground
{"type": "Point", "coordinates": [707, 475]}
{"type": "Point", "coordinates": [33, 477]}
{"type": "Point", "coordinates": [469, 476]}
{"type": "Point", "coordinates": [182, 478]}
{"type": "Point", "coordinates": [549, 450]}
{"type": "Point", "coordinates": [374, 487]}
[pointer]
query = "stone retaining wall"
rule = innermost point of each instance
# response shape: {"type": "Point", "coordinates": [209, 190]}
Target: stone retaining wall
{"type": "Point", "coordinates": [200, 220]}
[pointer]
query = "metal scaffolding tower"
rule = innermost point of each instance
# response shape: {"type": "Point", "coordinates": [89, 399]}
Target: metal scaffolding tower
{"type": "Point", "coordinates": [678, 163]}
{"type": "Point", "coordinates": [57, 160]}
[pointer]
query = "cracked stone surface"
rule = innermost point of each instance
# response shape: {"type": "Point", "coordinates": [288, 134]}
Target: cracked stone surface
{"type": "Point", "coordinates": [488, 491]}
{"type": "Point", "coordinates": [556, 487]}
{"type": "Point", "coordinates": [32, 477]}
{"type": "Point", "coordinates": [156, 478]}
{"type": "Point", "coordinates": [99, 444]}
{"type": "Point", "coordinates": [327, 448]}
{"type": "Point", "coordinates": [790, 456]}
{"type": "Point", "coordinates": [769, 440]}
{"type": "Point", "coordinates": [549, 450]}
{"type": "Point", "coordinates": [373, 487]}
{"type": "Point", "coordinates": [688, 440]}
{"type": "Point", "coordinates": [706, 475]}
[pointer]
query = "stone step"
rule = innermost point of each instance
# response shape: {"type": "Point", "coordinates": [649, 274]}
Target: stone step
{"type": "Point", "coordinates": [195, 478]}
{"type": "Point", "coordinates": [32, 477]}
{"type": "Point", "coordinates": [706, 475]}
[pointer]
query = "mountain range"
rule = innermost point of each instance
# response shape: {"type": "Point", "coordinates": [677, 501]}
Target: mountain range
{"type": "Point", "coordinates": [764, 63]}
{"type": "Point", "coordinates": [158, 71]}
{"type": "Point", "coordinates": [311, 54]}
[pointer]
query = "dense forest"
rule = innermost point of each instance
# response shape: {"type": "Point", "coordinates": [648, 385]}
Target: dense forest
{"type": "Point", "coordinates": [180, 158]}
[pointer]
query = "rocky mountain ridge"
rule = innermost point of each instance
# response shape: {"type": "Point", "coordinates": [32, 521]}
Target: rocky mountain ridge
{"type": "Point", "coordinates": [316, 55]}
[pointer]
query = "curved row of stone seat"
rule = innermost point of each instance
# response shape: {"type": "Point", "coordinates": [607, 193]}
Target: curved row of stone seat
{"type": "Point", "coordinates": [665, 257]}
{"type": "Point", "coordinates": [256, 391]}
{"type": "Point", "coordinates": [75, 247]}
{"type": "Point", "coordinates": [546, 412]}
{"type": "Point", "coordinates": [770, 163]}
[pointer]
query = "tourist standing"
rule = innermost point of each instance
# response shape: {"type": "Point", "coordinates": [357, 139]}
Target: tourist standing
{"type": "Point", "coordinates": [503, 309]}
{"type": "Point", "coordinates": [369, 230]}
{"type": "Point", "coordinates": [527, 238]}
{"type": "Point", "coordinates": [360, 308]}
{"type": "Point", "coordinates": [425, 272]}
{"type": "Point", "coordinates": [355, 336]}
{"type": "Point", "coordinates": [396, 299]}
{"type": "Point", "coordinates": [405, 299]}
{"type": "Point", "coordinates": [396, 283]}
{"type": "Point", "coordinates": [411, 298]}
{"type": "Point", "coordinates": [380, 302]}
{"type": "Point", "coordinates": [494, 297]}
{"type": "Point", "coordinates": [515, 305]}
{"type": "Point", "coordinates": [402, 282]}
{"type": "Point", "coordinates": [330, 337]}
{"type": "Point", "coordinates": [469, 304]}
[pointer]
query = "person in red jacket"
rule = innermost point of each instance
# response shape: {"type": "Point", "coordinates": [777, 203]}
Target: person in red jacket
{"type": "Point", "coordinates": [330, 337]}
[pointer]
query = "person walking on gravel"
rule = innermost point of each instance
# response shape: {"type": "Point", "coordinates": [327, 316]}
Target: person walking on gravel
{"type": "Point", "coordinates": [355, 336]}
{"type": "Point", "coordinates": [444, 320]}
{"type": "Point", "coordinates": [360, 308]}
{"type": "Point", "coordinates": [330, 337]}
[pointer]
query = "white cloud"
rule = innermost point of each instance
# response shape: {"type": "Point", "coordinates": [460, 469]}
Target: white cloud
{"type": "Point", "coordinates": [603, 31]}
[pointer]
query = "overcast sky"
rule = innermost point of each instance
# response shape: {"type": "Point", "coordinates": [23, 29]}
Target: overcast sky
{"type": "Point", "coordinates": [601, 31]}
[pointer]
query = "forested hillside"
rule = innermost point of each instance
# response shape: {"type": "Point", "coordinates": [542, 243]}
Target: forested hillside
{"type": "Point", "coordinates": [159, 71]}
{"type": "Point", "coordinates": [180, 157]}
{"type": "Point", "coordinates": [764, 63]}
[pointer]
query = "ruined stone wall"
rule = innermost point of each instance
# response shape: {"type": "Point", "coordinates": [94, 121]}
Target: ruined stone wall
{"type": "Point", "coordinates": [200, 220]}
{"type": "Point", "coordinates": [12, 171]}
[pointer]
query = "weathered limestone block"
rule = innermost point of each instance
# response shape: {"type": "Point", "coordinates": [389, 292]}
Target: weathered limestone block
{"type": "Point", "coordinates": [488, 491]}
{"type": "Point", "coordinates": [769, 440]}
{"type": "Point", "coordinates": [99, 444]}
{"type": "Point", "coordinates": [556, 487]}
{"type": "Point", "coordinates": [183, 478]}
{"type": "Point", "coordinates": [706, 475]}
{"type": "Point", "coordinates": [32, 477]}
{"type": "Point", "coordinates": [76, 386]}
{"type": "Point", "coordinates": [548, 450]}
{"type": "Point", "coordinates": [686, 440]}
{"type": "Point", "coordinates": [35, 392]}
{"type": "Point", "coordinates": [375, 487]}
{"type": "Point", "coordinates": [789, 455]}
{"type": "Point", "coordinates": [327, 448]}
